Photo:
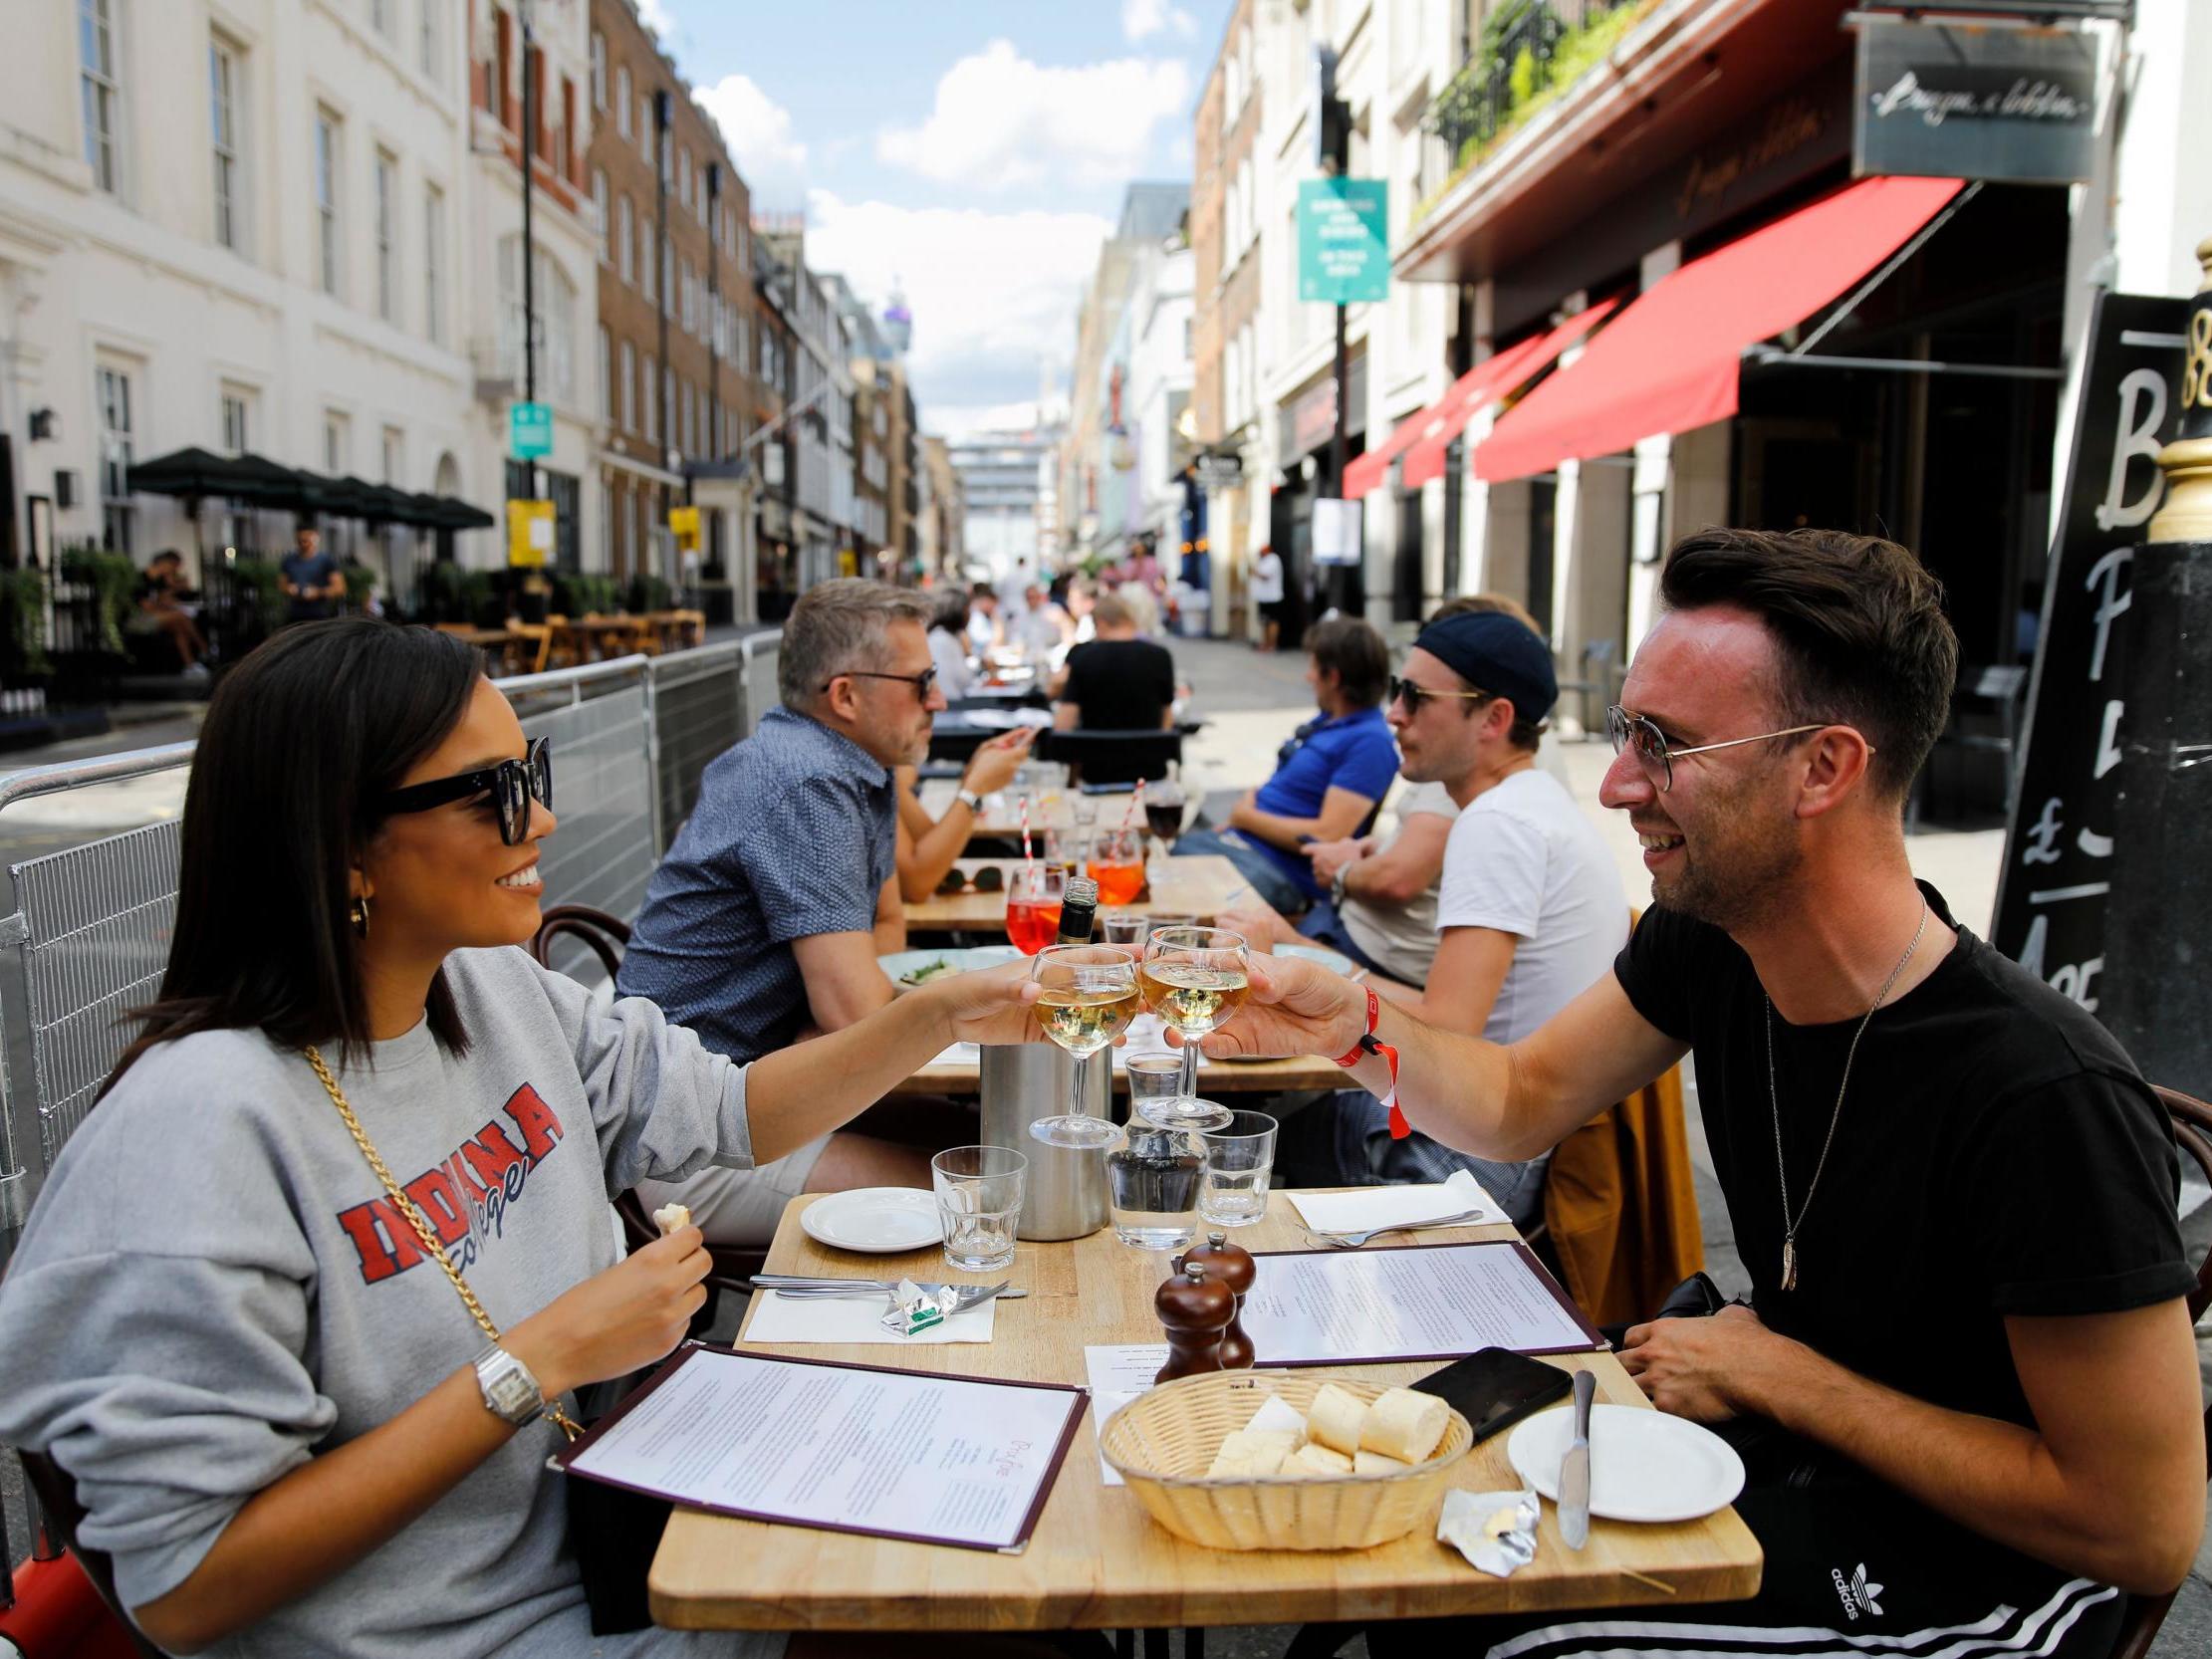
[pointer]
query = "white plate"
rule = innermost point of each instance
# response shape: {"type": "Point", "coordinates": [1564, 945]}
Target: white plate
{"type": "Point", "coordinates": [1334, 960]}
{"type": "Point", "coordinates": [900, 963]}
{"type": "Point", "coordinates": [880, 1221]}
{"type": "Point", "coordinates": [1643, 1464]}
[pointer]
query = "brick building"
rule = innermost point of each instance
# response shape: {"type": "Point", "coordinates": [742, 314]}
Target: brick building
{"type": "Point", "coordinates": [675, 301]}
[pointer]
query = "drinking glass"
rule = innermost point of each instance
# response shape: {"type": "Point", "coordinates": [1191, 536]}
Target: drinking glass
{"type": "Point", "coordinates": [1194, 979]}
{"type": "Point", "coordinates": [1240, 1157]}
{"type": "Point", "coordinates": [1163, 812]}
{"type": "Point", "coordinates": [979, 1201]}
{"type": "Point", "coordinates": [1152, 1186]}
{"type": "Point", "coordinates": [1116, 865]}
{"type": "Point", "coordinates": [1088, 997]}
{"type": "Point", "coordinates": [1125, 928]}
{"type": "Point", "coordinates": [1153, 1077]}
{"type": "Point", "coordinates": [1033, 894]}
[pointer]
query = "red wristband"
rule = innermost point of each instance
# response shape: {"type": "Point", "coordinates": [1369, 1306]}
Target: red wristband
{"type": "Point", "coordinates": [1368, 1044]}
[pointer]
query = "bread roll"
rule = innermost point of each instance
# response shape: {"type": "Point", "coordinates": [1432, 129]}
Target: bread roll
{"type": "Point", "coordinates": [670, 1217]}
{"type": "Point", "coordinates": [1374, 1463]}
{"type": "Point", "coordinates": [1248, 1453]}
{"type": "Point", "coordinates": [1311, 1459]}
{"type": "Point", "coordinates": [1336, 1419]}
{"type": "Point", "coordinates": [1404, 1425]}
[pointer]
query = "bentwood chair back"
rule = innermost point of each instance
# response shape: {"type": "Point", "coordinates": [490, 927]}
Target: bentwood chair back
{"type": "Point", "coordinates": [2192, 1133]}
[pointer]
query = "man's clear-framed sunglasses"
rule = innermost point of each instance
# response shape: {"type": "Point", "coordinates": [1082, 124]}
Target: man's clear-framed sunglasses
{"type": "Point", "coordinates": [922, 682]}
{"type": "Point", "coordinates": [1632, 731]}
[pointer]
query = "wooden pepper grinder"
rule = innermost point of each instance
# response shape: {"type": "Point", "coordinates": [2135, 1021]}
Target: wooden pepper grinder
{"type": "Point", "coordinates": [1195, 1308]}
{"type": "Point", "coordinates": [1233, 1266]}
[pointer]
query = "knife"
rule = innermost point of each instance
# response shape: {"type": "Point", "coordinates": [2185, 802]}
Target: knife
{"type": "Point", "coordinates": [1573, 1469]}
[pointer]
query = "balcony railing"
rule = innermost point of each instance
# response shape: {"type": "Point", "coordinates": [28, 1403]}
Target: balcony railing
{"type": "Point", "coordinates": [1529, 51]}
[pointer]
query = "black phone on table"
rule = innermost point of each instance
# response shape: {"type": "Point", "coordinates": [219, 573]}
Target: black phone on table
{"type": "Point", "coordinates": [1494, 1388]}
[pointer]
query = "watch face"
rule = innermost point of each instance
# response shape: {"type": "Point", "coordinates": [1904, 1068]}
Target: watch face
{"type": "Point", "coordinates": [511, 1392]}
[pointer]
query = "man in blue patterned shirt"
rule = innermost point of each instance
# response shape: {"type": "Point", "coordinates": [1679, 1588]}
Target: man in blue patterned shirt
{"type": "Point", "coordinates": [765, 920]}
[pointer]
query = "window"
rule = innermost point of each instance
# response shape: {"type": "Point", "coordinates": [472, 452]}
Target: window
{"type": "Point", "coordinates": [607, 376]}
{"type": "Point", "coordinates": [379, 15]}
{"type": "Point", "coordinates": [645, 128]}
{"type": "Point", "coordinates": [433, 264]}
{"type": "Point", "coordinates": [337, 443]}
{"type": "Point", "coordinates": [629, 387]}
{"type": "Point", "coordinates": [222, 121]}
{"type": "Point", "coordinates": [387, 253]}
{"type": "Point", "coordinates": [431, 42]}
{"type": "Point", "coordinates": [599, 70]}
{"type": "Point", "coordinates": [98, 88]}
{"type": "Point", "coordinates": [395, 455]}
{"type": "Point", "coordinates": [647, 248]}
{"type": "Point", "coordinates": [622, 100]}
{"type": "Point", "coordinates": [653, 398]}
{"type": "Point", "coordinates": [683, 176]}
{"type": "Point", "coordinates": [598, 207]}
{"type": "Point", "coordinates": [112, 393]}
{"type": "Point", "coordinates": [555, 298]}
{"type": "Point", "coordinates": [236, 438]}
{"type": "Point", "coordinates": [326, 199]}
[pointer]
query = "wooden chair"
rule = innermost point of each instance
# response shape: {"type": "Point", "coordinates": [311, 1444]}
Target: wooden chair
{"type": "Point", "coordinates": [2192, 1131]}
{"type": "Point", "coordinates": [56, 1494]}
{"type": "Point", "coordinates": [604, 935]}
{"type": "Point", "coordinates": [1111, 757]}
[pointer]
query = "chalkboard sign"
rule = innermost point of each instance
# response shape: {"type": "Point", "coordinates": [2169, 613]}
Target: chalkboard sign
{"type": "Point", "coordinates": [2061, 842]}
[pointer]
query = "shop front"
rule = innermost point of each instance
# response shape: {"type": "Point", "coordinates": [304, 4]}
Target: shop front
{"type": "Point", "coordinates": [1306, 432]}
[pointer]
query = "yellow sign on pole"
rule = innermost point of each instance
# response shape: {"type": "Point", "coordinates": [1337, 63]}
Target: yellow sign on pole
{"type": "Point", "coordinates": [684, 522]}
{"type": "Point", "coordinates": [529, 534]}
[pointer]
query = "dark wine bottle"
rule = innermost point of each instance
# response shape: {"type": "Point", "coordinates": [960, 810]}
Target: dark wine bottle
{"type": "Point", "coordinates": [1079, 911]}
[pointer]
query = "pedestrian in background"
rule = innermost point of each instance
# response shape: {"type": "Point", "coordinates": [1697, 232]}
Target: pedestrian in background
{"type": "Point", "coordinates": [1267, 594]}
{"type": "Point", "coordinates": [310, 578]}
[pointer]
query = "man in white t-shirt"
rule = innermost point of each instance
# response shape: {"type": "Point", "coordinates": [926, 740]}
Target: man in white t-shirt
{"type": "Point", "coordinates": [1267, 594]}
{"type": "Point", "coordinates": [1530, 911]}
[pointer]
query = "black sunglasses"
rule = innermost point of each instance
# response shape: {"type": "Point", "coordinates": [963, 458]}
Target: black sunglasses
{"type": "Point", "coordinates": [922, 682]}
{"type": "Point", "coordinates": [1412, 695]}
{"type": "Point", "coordinates": [511, 785]}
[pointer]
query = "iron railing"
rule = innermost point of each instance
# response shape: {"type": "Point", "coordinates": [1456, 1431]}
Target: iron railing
{"type": "Point", "coordinates": [1521, 52]}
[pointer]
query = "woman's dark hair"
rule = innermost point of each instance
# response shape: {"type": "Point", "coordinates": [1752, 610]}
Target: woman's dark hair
{"type": "Point", "coordinates": [951, 614]}
{"type": "Point", "coordinates": [1858, 625]}
{"type": "Point", "coordinates": [1350, 647]}
{"type": "Point", "coordinates": [301, 738]}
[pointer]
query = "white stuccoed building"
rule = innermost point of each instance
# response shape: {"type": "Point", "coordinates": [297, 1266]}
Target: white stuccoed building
{"type": "Point", "coordinates": [274, 226]}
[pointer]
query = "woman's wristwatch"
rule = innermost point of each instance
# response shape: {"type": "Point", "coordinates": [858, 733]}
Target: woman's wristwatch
{"type": "Point", "coordinates": [510, 1388]}
{"type": "Point", "coordinates": [969, 798]}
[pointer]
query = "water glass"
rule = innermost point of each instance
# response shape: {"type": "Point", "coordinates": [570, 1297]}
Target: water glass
{"type": "Point", "coordinates": [1124, 927]}
{"type": "Point", "coordinates": [1152, 1183]}
{"type": "Point", "coordinates": [1240, 1157]}
{"type": "Point", "coordinates": [1156, 1076]}
{"type": "Point", "coordinates": [979, 1202]}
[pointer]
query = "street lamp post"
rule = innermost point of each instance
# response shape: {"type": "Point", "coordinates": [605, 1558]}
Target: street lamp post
{"type": "Point", "coordinates": [529, 243]}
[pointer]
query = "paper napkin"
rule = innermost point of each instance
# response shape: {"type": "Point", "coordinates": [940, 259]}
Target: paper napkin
{"type": "Point", "coordinates": [1350, 1212]}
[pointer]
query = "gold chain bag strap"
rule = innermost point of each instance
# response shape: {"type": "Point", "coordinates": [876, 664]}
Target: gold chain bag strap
{"type": "Point", "coordinates": [415, 1219]}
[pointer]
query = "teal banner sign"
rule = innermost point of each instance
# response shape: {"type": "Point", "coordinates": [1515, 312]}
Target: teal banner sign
{"type": "Point", "coordinates": [528, 430]}
{"type": "Point", "coordinates": [1344, 244]}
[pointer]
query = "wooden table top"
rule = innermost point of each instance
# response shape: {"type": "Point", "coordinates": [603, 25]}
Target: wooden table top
{"type": "Point", "coordinates": [1097, 1560]}
{"type": "Point", "coordinates": [1002, 812]}
{"type": "Point", "coordinates": [1201, 885]}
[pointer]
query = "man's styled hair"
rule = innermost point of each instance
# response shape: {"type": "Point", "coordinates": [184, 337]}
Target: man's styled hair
{"type": "Point", "coordinates": [1858, 625]}
{"type": "Point", "coordinates": [1350, 647]}
{"type": "Point", "coordinates": [836, 627]}
{"type": "Point", "coordinates": [1525, 735]}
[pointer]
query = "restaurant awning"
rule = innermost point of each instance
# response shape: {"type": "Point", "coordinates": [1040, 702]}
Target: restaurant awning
{"type": "Point", "coordinates": [1670, 362]}
{"type": "Point", "coordinates": [1488, 382]}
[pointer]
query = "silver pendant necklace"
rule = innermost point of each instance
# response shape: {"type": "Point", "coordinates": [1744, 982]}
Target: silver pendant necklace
{"type": "Point", "coordinates": [1790, 1224]}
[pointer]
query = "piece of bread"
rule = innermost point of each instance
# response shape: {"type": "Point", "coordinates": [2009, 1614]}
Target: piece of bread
{"type": "Point", "coordinates": [1374, 1463]}
{"type": "Point", "coordinates": [1336, 1419]}
{"type": "Point", "coordinates": [1250, 1453]}
{"type": "Point", "coordinates": [1311, 1459]}
{"type": "Point", "coordinates": [670, 1217]}
{"type": "Point", "coordinates": [1404, 1425]}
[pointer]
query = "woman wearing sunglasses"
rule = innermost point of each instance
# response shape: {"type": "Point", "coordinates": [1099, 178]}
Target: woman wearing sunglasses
{"type": "Point", "coordinates": [229, 1319]}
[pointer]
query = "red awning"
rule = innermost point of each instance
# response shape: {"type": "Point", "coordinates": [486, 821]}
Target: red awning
{"type": "Point", "coordinates": [1485, 383]}
{"type": "Point", "coordinates": [1365, 472]}
{"type": "Point", "coordinates": [1670, 363]}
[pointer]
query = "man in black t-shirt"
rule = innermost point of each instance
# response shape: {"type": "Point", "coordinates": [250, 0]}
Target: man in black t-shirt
{"type": "Point", "coordinates": [1116, 682]}
{"type": "Point", "coordinates": [1965, 1387]}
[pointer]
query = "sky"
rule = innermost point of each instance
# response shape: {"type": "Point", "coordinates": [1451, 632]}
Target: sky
{"type": "Point", "coordinates": [974, 153]}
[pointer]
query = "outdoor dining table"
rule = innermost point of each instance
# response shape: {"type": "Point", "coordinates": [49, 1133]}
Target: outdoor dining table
{"type": "Point", "coordinates": [1095, 1559]}
{"type": "Point", "coordinates": [1216, 1077]}
{"type": "Point", "coordinates": [1002, 812]}
{"type": "Point", "coordinates": [1199, 886]}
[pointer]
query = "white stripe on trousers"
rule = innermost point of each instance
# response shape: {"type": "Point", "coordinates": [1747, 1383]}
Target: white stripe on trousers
{"type": "Point", "coordinates": [1600, 1639]}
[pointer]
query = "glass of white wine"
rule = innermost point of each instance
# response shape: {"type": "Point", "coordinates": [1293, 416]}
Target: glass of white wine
{"type": "Point", "coordinates": [1088, 997]}
{"type": "Point", "coordinates": [1194, 979]}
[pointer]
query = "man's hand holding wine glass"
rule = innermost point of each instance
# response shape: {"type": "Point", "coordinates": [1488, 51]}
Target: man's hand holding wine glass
{"type": "Point", "coordinates": [1296, 1006]}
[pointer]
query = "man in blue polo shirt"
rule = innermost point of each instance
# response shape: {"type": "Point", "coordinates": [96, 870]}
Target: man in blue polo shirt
{"type": "Point", "coordinates": [1330, 778]}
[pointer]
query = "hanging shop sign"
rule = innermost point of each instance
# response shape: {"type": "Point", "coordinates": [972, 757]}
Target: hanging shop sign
{"type": "Point", "coordinates": [2065, 832]}
{"type": "Point", "coordinates": [1337, 532]}
{"type": "Point", "coordinates": [1344, 240]}
{"type": "Point", "coordinates": [1221, 472]}
{"type": "Point", "coordinates": [1939, 101]}
{"type": "Point", "coordinates": [530, 533]}
{"type": "Point", "coordinates": [528, 430]}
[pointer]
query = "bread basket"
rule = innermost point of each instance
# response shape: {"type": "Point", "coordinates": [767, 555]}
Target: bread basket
{"type": "Point", "coordinates": [1163, 1441]}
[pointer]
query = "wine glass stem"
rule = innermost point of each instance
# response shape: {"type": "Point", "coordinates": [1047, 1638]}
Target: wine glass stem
{"type": "Point", "coordinates": [1189, 1089]}
{"type": "Point", "coordinates": [1082, 1076]}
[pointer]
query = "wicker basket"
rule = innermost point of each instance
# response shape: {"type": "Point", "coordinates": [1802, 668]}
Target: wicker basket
{"type": "Point", "coordinates": [1162, 1442]}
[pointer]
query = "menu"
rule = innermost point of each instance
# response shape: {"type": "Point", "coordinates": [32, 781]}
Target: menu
{"type": "Point", "coordinates": [842, 1448]}
{"type": "Point", "coordinates": [1418, 1302]}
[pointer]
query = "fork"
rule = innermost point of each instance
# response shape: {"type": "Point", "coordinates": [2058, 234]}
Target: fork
{"type": "Point", "coordinates": [1352, 1241]}
{"type": "Point", "coordinates": [969, 1295]}
{"type": "Point", "coordinates": [801, 1284]}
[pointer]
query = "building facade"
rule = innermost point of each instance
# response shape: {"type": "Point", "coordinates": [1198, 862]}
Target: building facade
{"type": "Point", "coordinates": [1006, 482]}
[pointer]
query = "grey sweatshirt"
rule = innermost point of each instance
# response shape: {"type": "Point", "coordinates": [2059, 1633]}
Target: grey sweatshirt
{"type": "Point", "coordinates": [213, 1289]}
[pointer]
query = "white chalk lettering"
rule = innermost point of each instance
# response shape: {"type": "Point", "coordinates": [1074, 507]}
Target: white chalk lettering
{"type": "Point", "coordinates": [2136, 439]}
{"type": "Point", "coordinates": [2043, 836]}
{"type": "Point", "coordinates": [2108, 743]}
{"type": "Point", "coordinates": [2106, 572]}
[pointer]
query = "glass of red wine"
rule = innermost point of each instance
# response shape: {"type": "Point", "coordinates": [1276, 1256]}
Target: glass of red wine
{"type": "Point", "coordinates": [1163, 812]}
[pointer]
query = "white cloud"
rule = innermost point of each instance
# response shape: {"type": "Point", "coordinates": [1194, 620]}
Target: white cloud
{"type": "Point", "coordinates": [1140, 18]}
{"type": "Point", "coordinates": [961, 420]}
{"type": "Point", "coordinates": [655, 15]}
{"type": "Point", "coordinates": [1001, 122]}
{"type": "Point", "coordinates": [994, 295]}
{"type": "Point", "coordinates": [758, 131]}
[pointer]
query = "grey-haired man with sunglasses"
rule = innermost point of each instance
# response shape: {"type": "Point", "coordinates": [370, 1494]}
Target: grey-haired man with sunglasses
{"type": "Point", "coordinates": [765, 919]}
{"type": "Point", "coordinates": [1964, 1386]}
